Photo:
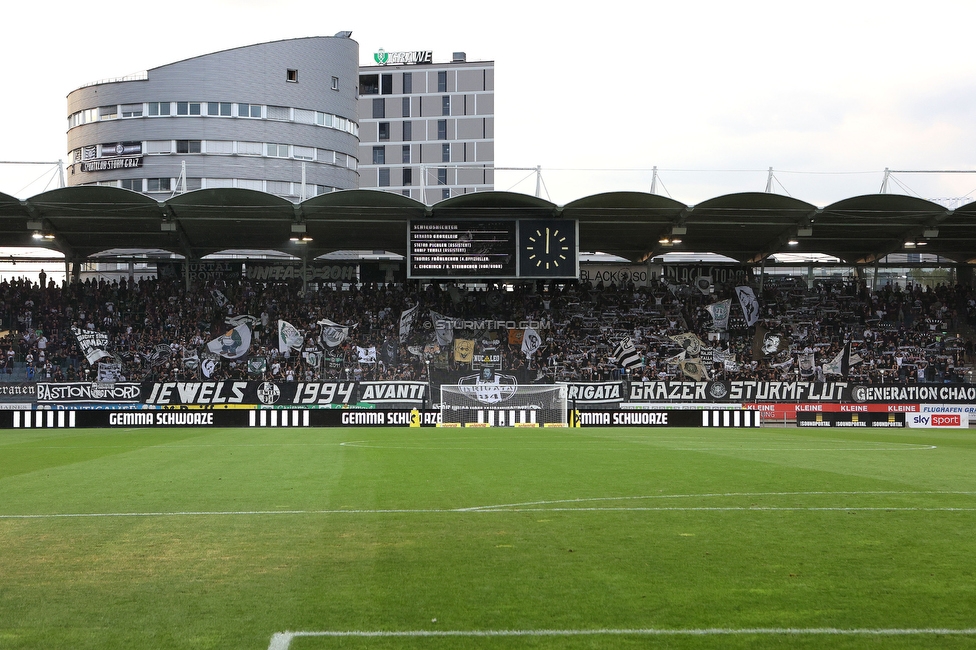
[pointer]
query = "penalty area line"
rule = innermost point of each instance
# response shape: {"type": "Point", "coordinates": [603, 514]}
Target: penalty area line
{"type": "Point", "coordinates": [282, 640]}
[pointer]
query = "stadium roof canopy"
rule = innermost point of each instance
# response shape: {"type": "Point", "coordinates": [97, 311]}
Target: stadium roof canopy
{"type": "Point", "coordinates": [87, 220]}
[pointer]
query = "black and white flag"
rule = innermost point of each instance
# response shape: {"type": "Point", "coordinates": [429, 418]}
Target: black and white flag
{"type": "Point", "coordinates": [92, 344]}
{"type": "Point", "coordinates": [749, 304]}
{"type": "Point", "coordinates": [333, 334]}
{"type": "Point", "coordinates": [626, 353]}
{"type": "Point", "coordinates": [406, 321]}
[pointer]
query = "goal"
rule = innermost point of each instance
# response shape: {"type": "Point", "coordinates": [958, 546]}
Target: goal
{"type": "Point", "coordinates": [497, 404]}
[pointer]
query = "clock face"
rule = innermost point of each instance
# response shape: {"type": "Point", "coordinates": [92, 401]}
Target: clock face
{"type": "Point", "coordinates": [547, 248]}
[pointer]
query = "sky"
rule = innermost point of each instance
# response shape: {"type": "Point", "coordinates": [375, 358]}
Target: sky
{"type": "Point", "coordinates": [827, 94]}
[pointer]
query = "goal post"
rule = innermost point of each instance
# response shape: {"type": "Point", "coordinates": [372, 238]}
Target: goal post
{"type": "Point", "coordinates": [503, 405]}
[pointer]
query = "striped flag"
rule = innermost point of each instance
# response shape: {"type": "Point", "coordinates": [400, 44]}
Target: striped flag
{"type": "Point", "coordinates": [626, 354]}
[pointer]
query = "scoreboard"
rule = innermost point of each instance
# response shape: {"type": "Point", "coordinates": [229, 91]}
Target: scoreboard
{"type": "Point", "coordinates": [499, 249]}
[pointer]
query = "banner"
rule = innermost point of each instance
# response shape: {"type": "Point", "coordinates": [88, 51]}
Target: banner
{"type": "Point", "coordinates": [464, 350]}
{"type": "Point", "coordinates": [366, 355]}
{"type": "Point", "coordinates": [87, 392]}
{"type": "Point", "coordinates": [803, 395]}
{"type": "Point", "coordinates": [607, 392]}
{"type": "Point", "coordinates": [313, 273]}
{"type": "Point", "coordinates": [201, 271]}
{"type": "Point", "coordinates": [807, 365]}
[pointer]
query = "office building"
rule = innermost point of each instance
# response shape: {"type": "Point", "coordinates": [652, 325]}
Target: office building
{"type": "Point", "coordinates": [426, 129]}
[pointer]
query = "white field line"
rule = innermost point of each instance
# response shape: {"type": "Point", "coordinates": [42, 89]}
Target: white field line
{"type": "Point", "coordinates": [559, 505]}
{"type": "Point", "coordinates": [282, 640]}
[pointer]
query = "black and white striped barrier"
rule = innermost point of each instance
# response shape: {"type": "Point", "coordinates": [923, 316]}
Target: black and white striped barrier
{"type": "Point", "coordinates": [730, 418]}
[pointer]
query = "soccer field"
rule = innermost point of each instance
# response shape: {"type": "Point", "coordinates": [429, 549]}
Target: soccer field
{"type": "Point", "coordinates": [312, 539]}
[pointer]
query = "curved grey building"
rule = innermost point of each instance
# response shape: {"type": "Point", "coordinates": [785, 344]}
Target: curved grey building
{"type": "Point", "coordinates": [277, 117]}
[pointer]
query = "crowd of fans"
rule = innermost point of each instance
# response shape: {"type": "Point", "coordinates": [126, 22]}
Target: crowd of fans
{"type": "Point", "coordinates": [158, 330]}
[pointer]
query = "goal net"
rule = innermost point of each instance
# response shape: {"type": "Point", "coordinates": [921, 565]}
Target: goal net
{"type": "Point", "coordinates": [497, 404]}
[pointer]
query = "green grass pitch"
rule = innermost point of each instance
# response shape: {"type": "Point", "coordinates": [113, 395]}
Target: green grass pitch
{"type": "Point", "coordinates": [490, 538]}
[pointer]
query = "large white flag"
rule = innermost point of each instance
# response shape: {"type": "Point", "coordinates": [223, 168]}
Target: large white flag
{"type": "Point", "coordinates": [531, 341]}
{"type": "Point", "coordinates": [749, 304]}
{"type": "Point", "coordinates": [232, 344]}
{"type": "Point", "coordinates": [289, 337]}
{"type": "Point", "coordinates": [366, 355]}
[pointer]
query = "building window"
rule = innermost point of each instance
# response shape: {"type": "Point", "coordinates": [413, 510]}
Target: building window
{"type": "Point", "coordinates": [379, 155]}
{"type": "Point", "coordinates": [445, 193]}
{"type": "Point", "coordinates": [384, 131]}
{"type": "Point", "coordinates": [248, 110]}
{"type": "Point", "coordinates": [442, 129]}
{"type": "Point", "coordinates": [407, 83]}
{"type": "Point", "coordinates": [158, 108]}
{"type": "Point", "coordinates": [131, 110]}
{"type": "Point", "coordinates": [279, 113]}
{"type": "Point", "coordinates": [407, 176]}
{"type": "Point", "coordinates": [249, 148]}
{"type": "Point", "coordinates": [108, 112]}
{"type": "Point", "coordinates": [303, 153]}
{"type": "Point", "coordinates": [134, 184]}
{"type": "Point", "coordinates": [405, 108]}
{"type": "Point", "coordinates": [187, 108]}
{"type": "Point", "coordinates": [379, 108]}
{"type": "Point", "coordinates": [386, 87]}
{"type": "Point", "coordinates": [159, 146]}
{"type": "Point", "coordinates": [407, 131]}
{"type": "Point", "coordinates": [335, 83]}
{"type": "Point", "coordinates": [446, 105]}
{"type": "Point", "coordinates": [220, 146]}
{"type": "Point", "coordinates": [291, 76]}
{"type": "Point", "coordinates": [277, 150]}
{"type": "Point", "coordinates": [442, 81]}
{"type": "Point", "coordinates": [405, 153]}
{"type": "Point", "coordinates": [369, 84]}
{"type": "Point", "coordinates": [221, 109]}
{"type": "Point", "coordinates": [383, 178]}
{"type": "Point", "coordinates": [188, 146]}
{"type": "Point", "coordinates": [445, 153]}
{"type": "Point", "coordinates": [159, 185]}
{"type": "Point", "coordinates": [442, 176]}
{"type": "Point", "coordinates": [194, 184]}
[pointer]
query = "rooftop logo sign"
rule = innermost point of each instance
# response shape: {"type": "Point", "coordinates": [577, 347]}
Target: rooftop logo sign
{"type": "Point", "coordinates": [383, 57]}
